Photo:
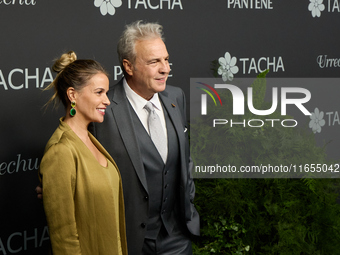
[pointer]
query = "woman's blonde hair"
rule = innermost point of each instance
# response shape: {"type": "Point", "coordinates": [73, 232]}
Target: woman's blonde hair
{"type": "Point", "coordinates": [71, 73]}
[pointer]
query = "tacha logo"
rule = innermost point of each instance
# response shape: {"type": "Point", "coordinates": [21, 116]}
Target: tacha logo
{"type": "Point", "coordinates": [107, 6]}
{"type": "Point", "coordinates": [228, 68]}
{"type": "Point", "coordinates": [320, 120]}
{"type": "Point", "coordinates": [317, 6]}
{"type": "Point", "coordinates": [317, 121]}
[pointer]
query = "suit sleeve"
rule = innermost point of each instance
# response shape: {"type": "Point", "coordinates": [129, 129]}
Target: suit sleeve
{"type": "Point", "coordinates": [191, 183]}
{"type": "Point", "coordinates": [58, 173]}
{"type": "Point", "coordinates": [192, 219]}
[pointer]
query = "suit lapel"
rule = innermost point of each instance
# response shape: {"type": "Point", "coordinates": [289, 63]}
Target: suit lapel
{"type": "Point", "coordinates": [122, 115]}
{"type": "Point", "coordinates": [175, 117]}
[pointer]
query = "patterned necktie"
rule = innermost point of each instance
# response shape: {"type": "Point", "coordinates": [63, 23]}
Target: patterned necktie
{"type": "Point", "coordinates": [156, 131]}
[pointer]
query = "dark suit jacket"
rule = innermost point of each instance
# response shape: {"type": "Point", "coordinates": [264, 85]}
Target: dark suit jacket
{"type": "Point", "coordinates": [118, 137]}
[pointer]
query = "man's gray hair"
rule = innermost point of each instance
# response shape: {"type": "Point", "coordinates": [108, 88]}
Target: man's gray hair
{"type": "Point", "coordinates": [134, 32]}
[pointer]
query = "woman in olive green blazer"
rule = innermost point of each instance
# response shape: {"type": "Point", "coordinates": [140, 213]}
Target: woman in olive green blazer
{"type": "Point", "coordinates": [83, 196]}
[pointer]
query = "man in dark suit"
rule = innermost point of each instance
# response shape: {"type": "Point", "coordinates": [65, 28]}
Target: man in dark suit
{"type": "Point", "coordinates": [158, 186]}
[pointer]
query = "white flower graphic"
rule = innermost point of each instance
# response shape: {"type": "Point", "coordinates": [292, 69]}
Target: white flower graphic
{"type": "Point", "coordinates": [107, 6]}
{"type": "Point", "coordinates": [227, 67]}
{"type": "Point", "coordinates": [316, 7]}
{"type": "Point", "coordinates": [316, 121]}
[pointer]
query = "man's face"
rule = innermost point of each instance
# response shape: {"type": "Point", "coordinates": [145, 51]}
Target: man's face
{"type": "Point", "coordinates": [150, 71]}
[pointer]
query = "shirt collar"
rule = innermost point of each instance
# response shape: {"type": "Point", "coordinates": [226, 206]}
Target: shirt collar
{"type": "Point", "coordinates": [137, 101]}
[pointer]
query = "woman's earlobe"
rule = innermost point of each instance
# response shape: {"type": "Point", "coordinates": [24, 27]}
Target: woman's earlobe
{"type": "Point", "coordinates": [71, 94]}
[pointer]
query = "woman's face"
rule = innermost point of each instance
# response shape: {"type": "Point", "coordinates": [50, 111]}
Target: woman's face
{"type": "Point", "coordinates": [91, 101]}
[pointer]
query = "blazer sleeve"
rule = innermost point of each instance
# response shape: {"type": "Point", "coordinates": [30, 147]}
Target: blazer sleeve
{"type": "Point", "coordinates": [58, 173]}
{"type": "Point", "coordinates": [190, 164]}
{"type": "Point", "coordinates": [192, 216]}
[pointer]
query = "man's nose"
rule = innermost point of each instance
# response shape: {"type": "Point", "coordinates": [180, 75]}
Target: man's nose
{"type": "Point", "coordinates": [165, 67]}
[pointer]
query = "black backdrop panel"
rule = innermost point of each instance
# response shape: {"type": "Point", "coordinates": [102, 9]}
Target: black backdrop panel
{"type": "Point", "coordinates": [281, 35]}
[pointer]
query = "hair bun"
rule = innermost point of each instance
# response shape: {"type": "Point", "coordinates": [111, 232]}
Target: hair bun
{"type": "Point", "coordinates": [63, 61]}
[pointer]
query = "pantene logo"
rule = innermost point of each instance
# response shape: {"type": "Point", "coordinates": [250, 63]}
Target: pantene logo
{"type": "Point", "coordinates": [19, 2]}
{"type": "Point", "coordinates": [110, 6]}
{"type": "Point", "coordinates": [250, 4]}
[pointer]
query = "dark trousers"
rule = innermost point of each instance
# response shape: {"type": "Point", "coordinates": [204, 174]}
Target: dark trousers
{"type": "Point", "coordinates": [178, 243]}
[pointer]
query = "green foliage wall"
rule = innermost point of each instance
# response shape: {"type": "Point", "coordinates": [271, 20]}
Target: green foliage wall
{"type": "Point", "coordinates": [268, 216]}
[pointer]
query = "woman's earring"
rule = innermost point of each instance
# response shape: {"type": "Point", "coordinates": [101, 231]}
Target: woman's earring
{"type": "Point", "coordinates": [73, 110]}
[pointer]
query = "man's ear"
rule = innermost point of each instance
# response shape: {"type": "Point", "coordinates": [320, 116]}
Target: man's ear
{"type": "Point", "coordinates": [128, 67]}
{"type": "Point", "coordinates": [71, 94]}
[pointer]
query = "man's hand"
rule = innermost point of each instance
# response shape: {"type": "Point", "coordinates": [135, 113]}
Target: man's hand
{"type": "Point", "coordinates": [39, 191]}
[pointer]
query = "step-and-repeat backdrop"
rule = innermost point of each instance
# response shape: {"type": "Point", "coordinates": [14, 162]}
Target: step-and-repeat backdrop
{"type": "Point", "coordinates": [298, 39]}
